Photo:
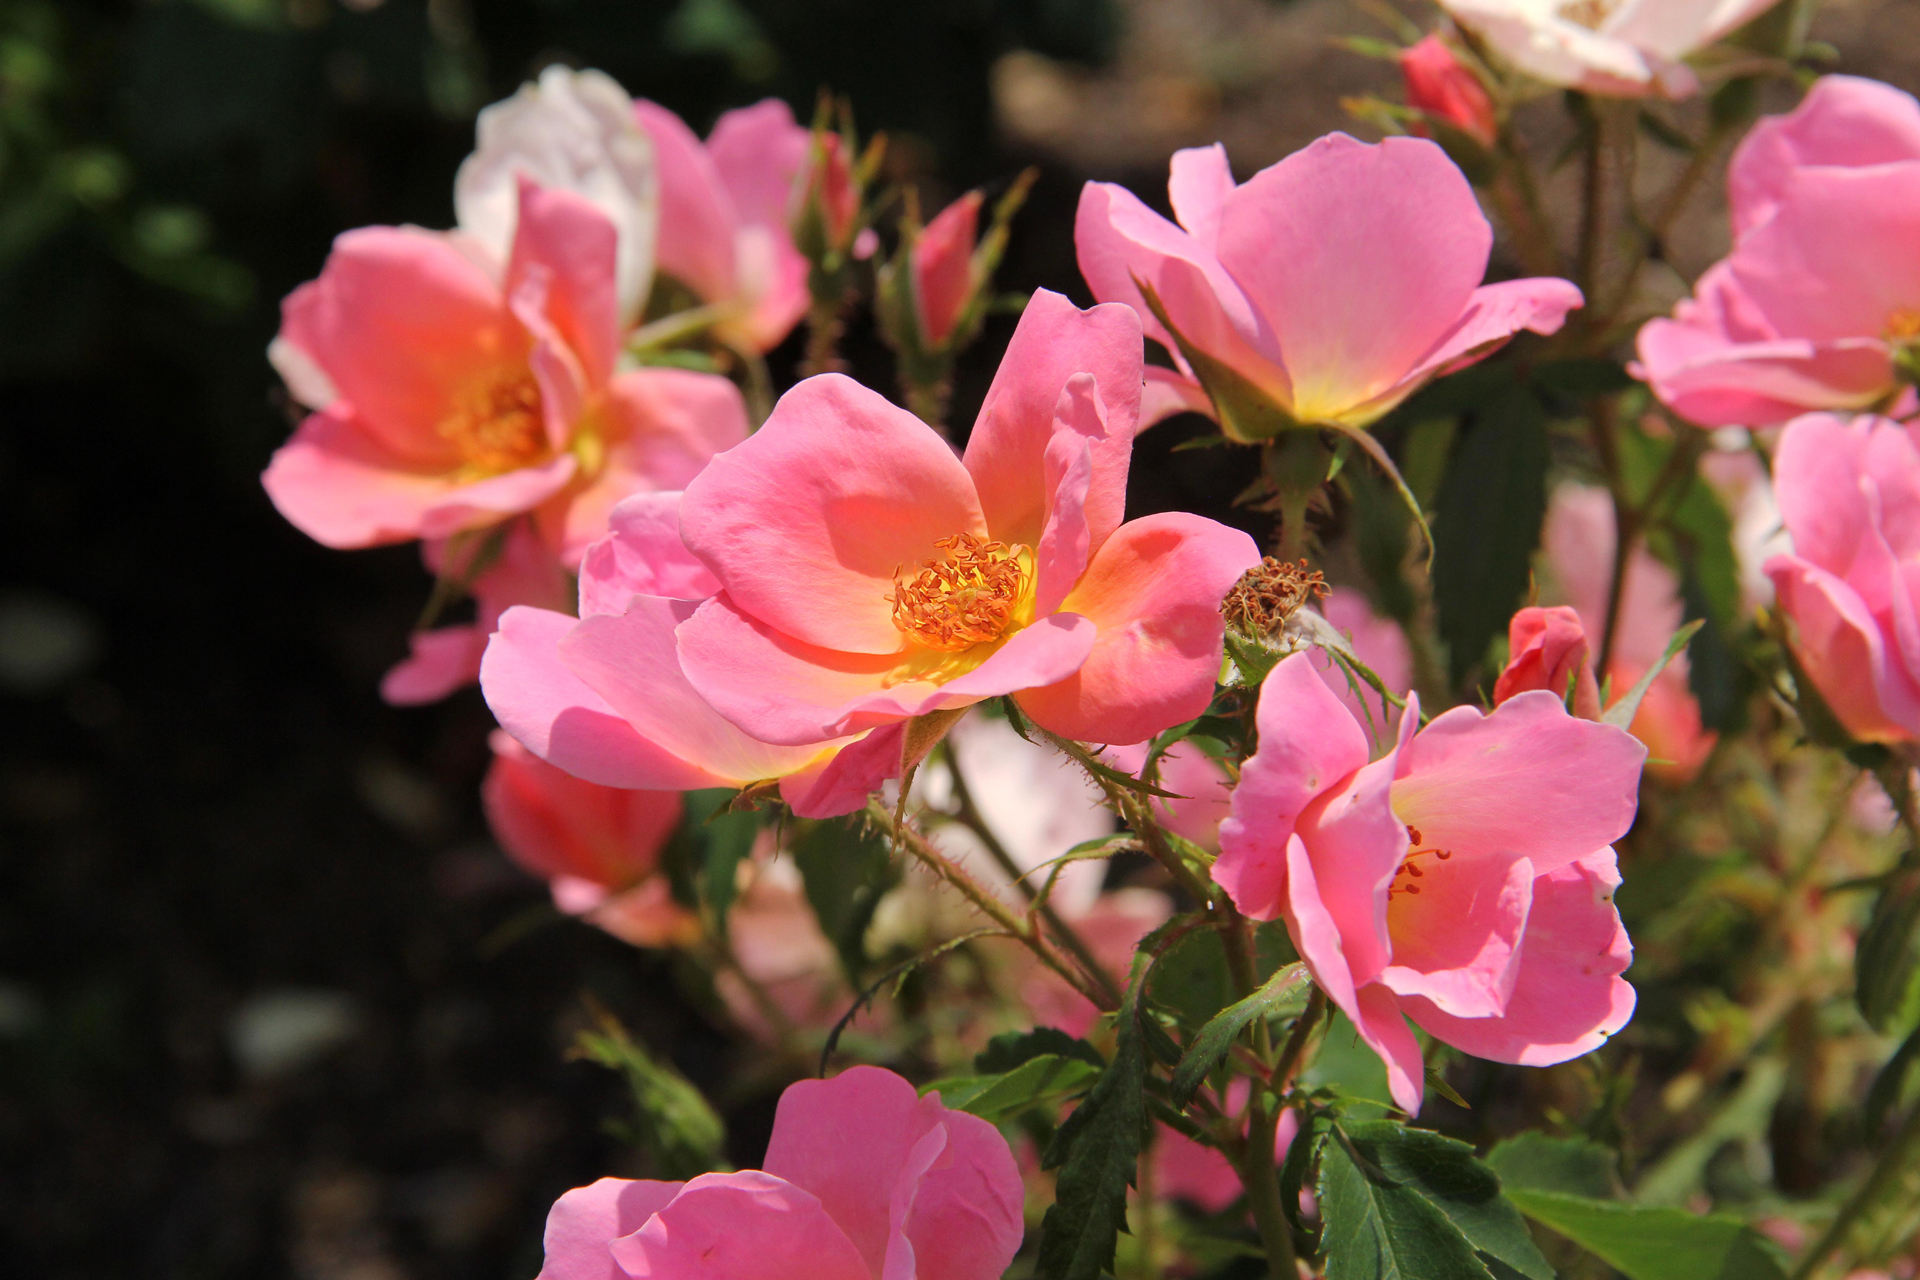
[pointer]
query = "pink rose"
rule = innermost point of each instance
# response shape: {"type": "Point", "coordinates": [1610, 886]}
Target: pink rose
{"type": "Point", "coordinates": [725, 206]}
{"type": "Point", "coordinates": [452, 390]}
{"type": "Point", "coordinates": [1850, 493]}
{"type": "Point", "coordinates": [1465, 879]}
{"type": "Point", "coordinates": [1818, 304]}
{"type": "Point", "coordinates": [1336, 282]}
{"type": "Point", "coordinates": [864, 1179]}
{"type": "Point", "coordinates": [598, 847]}
{"type": "Point", "coordinates": [869, 576]}
{"type": "Point", "coordinates": [602, 695]}
{"type": "Point", "coordinates": [1443, 88]}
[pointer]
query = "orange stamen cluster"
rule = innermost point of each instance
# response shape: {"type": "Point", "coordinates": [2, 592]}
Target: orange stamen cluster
{"type": "Point", "coordinates": [1411, 869]}
{"type": "Point", "coordinates": [962, 599]}
{"type": "Point", "coordinates": [495, 424]}
{"type": "Point", "coordinates": [1903, 325]}
{"type": "Point", "coordinates": [1269, 593]}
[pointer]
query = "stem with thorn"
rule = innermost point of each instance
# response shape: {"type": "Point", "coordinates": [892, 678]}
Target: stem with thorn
{"type": "Point", "coordinates": [1063, 933]}
{"type": "Point", "coordinates": [905, 838]}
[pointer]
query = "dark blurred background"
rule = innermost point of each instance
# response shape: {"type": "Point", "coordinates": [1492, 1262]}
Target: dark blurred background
{"type": "Point", "coordinates": [271, 1003]}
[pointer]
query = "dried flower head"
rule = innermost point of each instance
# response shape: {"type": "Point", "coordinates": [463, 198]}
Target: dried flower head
{"type": "Point", "coordinates": [1270, 593]}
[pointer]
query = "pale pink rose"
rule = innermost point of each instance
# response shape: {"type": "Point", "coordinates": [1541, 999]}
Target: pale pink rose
{"type": "Point", "coordinates": [1821, 294]}
{"type": "Point", "coordinates": [1337, 282]}
{"type": "Point", "coordinates": [1379, 643]}
{"type": "Point", "coordinates": [870, 576]}
{"type": "Point", "coordinates": [602, 695]}
{"type": "Point", "coordinates": [572, 131]}
{"type": "Point", "coordinates": [1616, 48]}
{"type": "Point", "coordinates": [456, 390]}
{"type": "Point", "coordinates": [725, 206]}
{"type": "Point", "coordinates": [782, 953]}
{"type": "Point", "coordinates": [1850, 495]}
{"type": "Point", "coordinates": [1578, 541]}
{"type": "Point", "coordinates": [1443, 88]}
{"type": "Point", "coordinates": [864, 1180]}
{"type": "Point", "coordinates": [943, 268]}
{"type": "Point", "coordinates": [597, 847]}
{"type": "Point", "coordinates": [1547, 649]}
{"type": "Point", "coordinates": [1464, 880]}
{"type": "Point", "coordinates": [445, 659]}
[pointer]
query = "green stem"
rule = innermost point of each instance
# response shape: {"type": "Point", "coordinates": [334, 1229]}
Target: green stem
{"type": "Point", "coordinates": [1063, 933]}
{"type": "Point", "coordinates": [1262, 1180]}
{"type": "Point", "coordinates": [825, 323]}
{"type": "Point", "coordinates": [928, 400]}
{"type": "Point", "coordinates": [904, 837]}
{"type": "Point", "coordinates": [1525, 214]}
{"type": "Point", "coordinates": [1886, 1173]}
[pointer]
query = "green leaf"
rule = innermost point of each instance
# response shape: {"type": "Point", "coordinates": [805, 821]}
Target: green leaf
{"type": "Point", "coordinates": [846, 869]}
{"type": "Point", "coordinates": [1192, 978]}
{"type": "Point", "coordinates": [1045, 1081]}
{"type": "Point", "coordinates": [1620, 714]}
{"type": "Point", "coordinates": [1885, 959]}
{"type": "Point", "coordinates": [1097, 1151]}
{"type": "Point", "coordinates": [1378, 1229]}
{"type": "Point", "coordinates": [1655, 1243]}
{"type": "Point", "coordinates": [724, 839]}
{"type": "Point", "coordinates": [1011, 1048]}
{"type": "Point", "coordinates": [1743, 1117]}
{"type": "Point", "coordinates": [1533, 1161]}
{"type": "Point", "coordinates": [1447, 1175]}
{"type": "Point", "coordinates": [672, 1122]}
{"type": "Point", "coordinates": [1890, 1083]}
{"type": "Point", "coordinates": [1487, 524]}
{"type": "Point", "coordinates": [1206, 1050]}
{"type": "Point", "coordinates": [1350, 1069]}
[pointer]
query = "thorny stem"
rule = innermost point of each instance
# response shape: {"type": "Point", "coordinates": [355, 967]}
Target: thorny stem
{"type": "Point", "coordinates": [904, 837]}
{"type": "Point", "coordinates": [1063, 933]}
{"type": "Point", "coordinates": [1525, 215]}
{"type": "Point", "coordinates": [825, 323]}
{"type": "Point", "coordinates": [1887, 1171]}
{"type": "Point", "coordinates": [1654, 241]}
{"type": "Point", "coordinates": [928, 401]}
{"type": "Point", "coordinates": [1293, 1056]}
{"type": "Point", "coordinates": [1257, 1171]}
{"type": "Point", "coordinates": [1593, 202]}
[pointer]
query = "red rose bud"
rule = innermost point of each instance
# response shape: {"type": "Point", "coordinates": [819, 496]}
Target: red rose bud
{"type": "Point", "coordinates": [1442, 87]}
{"type": "Point", "coordinates": [1548, 649]}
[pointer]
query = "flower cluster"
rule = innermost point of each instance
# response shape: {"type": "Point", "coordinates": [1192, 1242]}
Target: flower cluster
{"type": "Point", "coordinates": [801, 689]}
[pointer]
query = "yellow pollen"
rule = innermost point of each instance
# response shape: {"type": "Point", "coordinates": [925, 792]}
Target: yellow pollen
{"type": "Point", "coordinates": [1903, 325]}
{"type": "Point", "coordinates": [494, 423]}
{"type": "Point", "coordinates": [1588, 13]}
{"type": "Point", "coordinates": [962, 599]}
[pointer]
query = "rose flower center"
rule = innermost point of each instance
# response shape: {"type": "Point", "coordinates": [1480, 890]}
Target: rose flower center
{"type": "Point", "coordinates": [1588, 13]}
{"type": "Point", "coordinates": [1407, 879]}
{"type": "Point", "coordinates": [494, 423]}
{"type": "Point", "coordinates": [966, 597]}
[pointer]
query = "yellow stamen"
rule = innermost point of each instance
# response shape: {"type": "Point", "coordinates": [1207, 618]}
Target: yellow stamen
{"type": "Point", "coordinates": [1588, 13]}
{"type": "Point", "coordinates": [967, 597]}
{"type": "Point", "coordinates": [495, 424]}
